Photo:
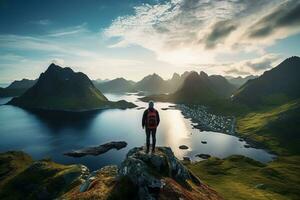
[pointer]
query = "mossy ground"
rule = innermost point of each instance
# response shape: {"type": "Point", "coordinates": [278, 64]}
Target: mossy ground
{"type": "Point", "coordinates": [238, 177]}
{"type": "Point", "coordinates": [22, 178]}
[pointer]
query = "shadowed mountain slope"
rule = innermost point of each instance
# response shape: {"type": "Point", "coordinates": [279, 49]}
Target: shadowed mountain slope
{"type": "Point", "coordinates": [275, 86]}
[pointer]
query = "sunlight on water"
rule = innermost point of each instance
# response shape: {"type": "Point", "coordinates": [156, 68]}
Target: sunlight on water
{"type": "Point", "coordinates": [175, 131]}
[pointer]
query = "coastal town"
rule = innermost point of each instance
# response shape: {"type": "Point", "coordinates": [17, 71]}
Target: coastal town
{"type": "Point", "coordinates": [205, 121]}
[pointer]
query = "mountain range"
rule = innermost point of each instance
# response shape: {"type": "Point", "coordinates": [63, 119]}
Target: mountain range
{"type": "Point", "coordinates": [151, 84]}
{"type": "Point", "coordinates": [275, 86]}
{"type": "Point", "coordinates": [17, 88]}
{"type": "Point", "coordinates": [198, 88]}
{"type": "Point", "coordinates": [63, 89]}
{"type": "Point", "coordinates": [118, 85]}
{"type": "Point", "coordinates": [239, 81]}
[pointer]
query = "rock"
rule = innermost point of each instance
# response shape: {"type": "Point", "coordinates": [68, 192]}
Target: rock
{"type": "Point", "coordinates": [143, 170]}
{"type": "Point", "coordinates": [203, 156]}
{"type": "Point", "coordinates": [204, 142]}
{"type": "Point", "coordinates": [247, 146]}
{"type": "Point", "coordinates": [84, 187]}
{"type": "Point", "coordinates": [97, 149]}
{"type": "Point", "coordinates": [260, 186]}
{"type": "Point", "coordinates": [101, 184]}
{"type": "Point", "coordinates": [186, 159]}
{"type": "Point", "coordinates": [140, 108]}
{"type": "Point", "coordinates": [241, 140]}
{"type": "Point", "coordinates": [183, 147]}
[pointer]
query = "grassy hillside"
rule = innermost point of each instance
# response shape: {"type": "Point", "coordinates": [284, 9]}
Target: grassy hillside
{"type": "Point", "coordinates": [22, 178]}
{"type": "Point", "coordinates": [241, 178]}
{"type": "Point", "coordinates": [275, 127]}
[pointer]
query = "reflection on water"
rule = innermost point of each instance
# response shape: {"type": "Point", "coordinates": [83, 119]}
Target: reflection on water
{"type": "Point", "coordinates": [4, 100]}
{"type": "Point", "coordinates": [51, 134]}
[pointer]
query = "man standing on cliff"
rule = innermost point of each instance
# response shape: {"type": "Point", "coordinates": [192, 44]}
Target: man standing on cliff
{"type": "Point", "coordinates": [150, 122]}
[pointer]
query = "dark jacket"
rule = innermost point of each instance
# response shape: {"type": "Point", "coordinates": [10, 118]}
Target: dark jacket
{"type": "Point", "coordinates": [144, 120]}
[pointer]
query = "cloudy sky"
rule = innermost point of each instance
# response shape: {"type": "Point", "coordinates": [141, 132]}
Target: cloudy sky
{"type": "Point", "coordinates": [114, 38]}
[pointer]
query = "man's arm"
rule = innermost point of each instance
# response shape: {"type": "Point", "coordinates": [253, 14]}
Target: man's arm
{"type": "Point", "coordinates": [158, 119]}
{"type": "Point", "coordinates": [144, 118]}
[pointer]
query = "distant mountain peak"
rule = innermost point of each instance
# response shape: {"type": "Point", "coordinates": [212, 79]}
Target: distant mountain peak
{"type": "Point", "coordinates": [175, 76]}
{"type": "Point", "coordinates": [54, 68]}
{"type": "Point", "coordinates": [203, 74]}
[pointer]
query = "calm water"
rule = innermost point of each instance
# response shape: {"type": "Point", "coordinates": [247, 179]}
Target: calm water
{"type": "Point", "coordinates": [51, 134]}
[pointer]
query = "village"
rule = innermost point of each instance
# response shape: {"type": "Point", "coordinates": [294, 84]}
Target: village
{"type": "Point", "coordinates": [205, 121]}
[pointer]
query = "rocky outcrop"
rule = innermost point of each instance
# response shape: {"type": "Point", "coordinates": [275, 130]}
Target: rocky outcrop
{"type": "Point", "coordinates": [97, 150]}
{"type": "Point", "coordinates": [162, 176]}
{"type": "Point", "coordinates": [203, 156]}
{"type": "Point", "coordinates": [183, 147]}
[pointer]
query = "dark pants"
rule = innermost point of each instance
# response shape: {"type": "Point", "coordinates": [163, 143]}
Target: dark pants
{"type": "Point", "coordinates": [151, 131]}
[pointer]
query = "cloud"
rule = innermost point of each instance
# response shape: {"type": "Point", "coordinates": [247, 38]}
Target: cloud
{"type": "Point", "coordinates": [286, 16]}
{"type": "Point", "coordinates": [183, 32]}
{"type": "Point", "coordinates": [220, 31]}
{"type": "Point", "coordinates": [42, 22]}
{"type": "Point", "coordinates": [253, 66]}
{"type": "Point", "coordinates": [73, 46]}
{"type": "Point", "coordinates": [80, 29]}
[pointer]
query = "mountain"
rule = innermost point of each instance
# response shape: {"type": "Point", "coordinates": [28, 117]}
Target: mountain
{"type": "Point", "coordinates": [63, 89]}
{"type": "Point", "coordinates": [117, 85]}
{"type": "Point", "coordinates": [239, 81]}
{"type": "Point", "coordinates": [221, 86]}
{"type": "Point", "coordinates": [275, 86]}
{"type": "Point", "coordinates": [153, 84]}
{"type": "Point", "coordinates": [175, 82]}
{"type": "Point", "coordinates": [198, 89]}
{"type": "Point", "coordinates": [99, 80]}
{"type": "Point", "coordinates": [17, 88]}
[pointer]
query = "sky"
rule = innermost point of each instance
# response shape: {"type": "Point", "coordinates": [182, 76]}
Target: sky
{"type": "Point", "coordinates": [131, 39]}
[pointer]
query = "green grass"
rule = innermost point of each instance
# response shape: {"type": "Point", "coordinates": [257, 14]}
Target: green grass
{"type": "Point", "coordinates": [11, 164]}
{"type": "Point", "coordinates": [238, 177]}
{"type": "Point", "coordinates": [22, 178]}
{"type": "Point", "coordinates": [277, 128]}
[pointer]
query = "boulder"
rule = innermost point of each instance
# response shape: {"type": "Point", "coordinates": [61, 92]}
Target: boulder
{"type": "Point", "coordinates": [204, 142]}
{"type": "Point", "coordinates": [183, 147]}
{"type": "Point", "coordinates": [156, 174]}
{"type": "Point", "coordinates": [203, 156]}
{"type": "Point", "coordinates": [186, 159]}
{"type": "Point", "coordinates": [97, 150]}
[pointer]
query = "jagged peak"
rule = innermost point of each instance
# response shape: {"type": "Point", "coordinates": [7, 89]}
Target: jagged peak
{"type": "Point", "coordinates": [53, 67]}
{"type": "Point", "coordinates": [203, 74]}
{"type": "Point", "coordinates": [175, 75]}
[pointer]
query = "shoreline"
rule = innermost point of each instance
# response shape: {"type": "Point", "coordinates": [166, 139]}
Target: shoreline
{"type": "Point", "coordinates": [232, 131]}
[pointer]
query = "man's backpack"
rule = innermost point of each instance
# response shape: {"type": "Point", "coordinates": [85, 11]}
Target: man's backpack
{"type": "Point", "coordinates": [152, 119]}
